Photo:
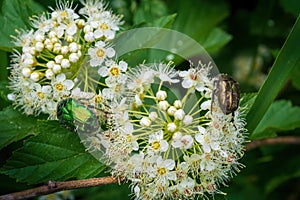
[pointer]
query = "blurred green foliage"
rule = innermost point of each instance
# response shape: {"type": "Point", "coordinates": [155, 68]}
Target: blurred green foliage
{"type": "Point", "coordinates": [243, 38]}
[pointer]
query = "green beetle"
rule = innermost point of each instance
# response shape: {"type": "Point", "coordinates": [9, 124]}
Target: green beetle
{"type": "Point", "coordinates": [227, 91]}
{"type": "Point", "coordinates": [76, 116]}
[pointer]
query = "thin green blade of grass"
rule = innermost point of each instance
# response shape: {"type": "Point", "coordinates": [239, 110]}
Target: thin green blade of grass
{"type": "Point", "coordinates": [287, 59]}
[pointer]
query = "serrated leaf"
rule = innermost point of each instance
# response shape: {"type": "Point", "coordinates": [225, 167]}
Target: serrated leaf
{"type": "Point", "coordinates": [143, 46]}
{"type": "Point", "coordinates": [198, 19]}
{"type": "Point", "coordinates": [149, 11]}
{"type": "Point", "coordinates": [14, 15]}
{"type": "Point", "coordinates": [216, 39]}
{"type": "Point", "coordinates": [164, 22]}
{"type": "Point", "coordinates": [54, 154]}
{"type": "Point", "coordinates": [15, 126]}
{"type": "Point", "coordinates": [281, 116]}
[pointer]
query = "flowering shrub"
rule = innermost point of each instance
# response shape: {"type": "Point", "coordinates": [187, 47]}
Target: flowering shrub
{"type": "Point", "coordinates": [166, 144]}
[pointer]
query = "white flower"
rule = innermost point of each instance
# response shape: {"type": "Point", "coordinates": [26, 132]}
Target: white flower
{"type": "Point", "coordinates": [193, 78]}
{"type": "Point", "coordinates": [206, 162]}
{"type": "Point", "coordinates": [186, 186]}
{"type": "Point", "coordinates": [184, 149]}
{"type": "Point", "coordinates": [114, 71]}
{"type": "Point", "coordinates": [61, 86]}
{"type": "Point", "coordinates": [139, 78]}
{"type": "Point", "coordinates": [182, 142]}
{"type": "Point", "coordinates": [157, 143]}
{"type": "Point", "coordinates": [165, 72]}
{"type": "Point", "coordinates": [163, 169]}
{"type": "Point", "coordinates": [100, 53]}
{"type": "Point", "coordinates": [41, 95]}
{"type": "Point", "coordinates": [205, 139]}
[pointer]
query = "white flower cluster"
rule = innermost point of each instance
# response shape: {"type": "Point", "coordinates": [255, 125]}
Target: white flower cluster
{"type": "Point", "coordinates": [60, 52]}
{"type": "Point", "coordinates": [167, 145]}
{"type": "Point", "coordinates": [165, 131]}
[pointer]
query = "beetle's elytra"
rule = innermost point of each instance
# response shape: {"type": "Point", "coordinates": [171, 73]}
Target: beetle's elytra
{"type": "Point", "coordinates": [227, 93]}
{"type": "Point", "coordinates": [77, 116]}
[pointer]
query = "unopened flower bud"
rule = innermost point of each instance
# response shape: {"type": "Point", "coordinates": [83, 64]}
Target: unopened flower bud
{"type": "Point", "coordinates": [153, 116]}
{"type": "Point", "coordinates": [26, 71]}
{"type": "Point", "coordinates": [73, 57]}
{"type": "Point", "coordinates": [163, 105]}
{"type": "Point", "coordinates": [36, 76]}
{"type": "Point", "coordinates": [49, 74]}
{"type": "Point", "coordinates": [58, 59]}
{"type": "Point", "coordinates": [145, 121]}
{"type": "Point", "coordinates": [50, 64]}
{"type": "Point", "coordinates": [171, 127]}
{"type": "Point", "coordinates": [65, 63]}
{"type": "Point", "coordinates": [188, 119]}
{"type": "Point", "coordinates": [171, 110]}
{"type": "Point", "coordinates": [206, 105]}
{"type": "Point", "coordinates": [39, 46]}
{"type": "Point", "coordinates": [64, 50]}
{"type": "Point", "coordinates": [177, 104]}
{"type": "Point", "coordinates": [161, 95]}
{"type": "Point", "coordinates": [56, 68]}
{"type": "Point", "coordinates": [179, 114]}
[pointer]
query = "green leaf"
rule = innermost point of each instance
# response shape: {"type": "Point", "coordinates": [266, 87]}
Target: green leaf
{"type": "Point", "coordinates": [143, 45]}
{"type": "Point", "coordinates": [164, 22]}
{"type": "Point", "coordinates": [15, 126]}
{"type": "Point", "coordinates": [281, 116]}
{"type": "Point", "coordinates": [216, 39]}
{"type": "Point", "coordinates": [54, 154]}
{"type": "Point", "coordinates": [199, 20]}
{"type": "Point", "coordinates": [287, 60]}
{"type": "Point", "coordinates": [149, 11]}
{"type": "Point", "coordinates": [15, 15]}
